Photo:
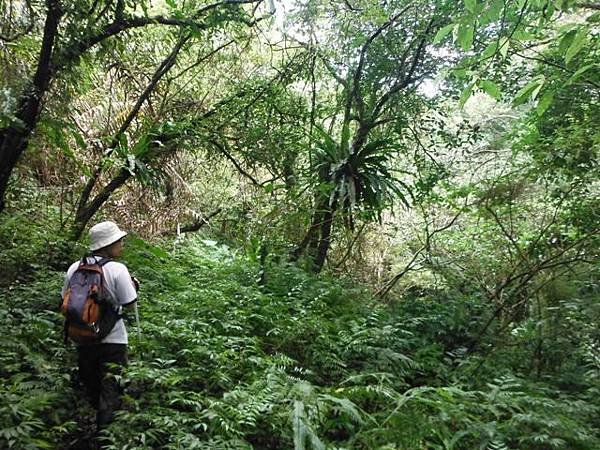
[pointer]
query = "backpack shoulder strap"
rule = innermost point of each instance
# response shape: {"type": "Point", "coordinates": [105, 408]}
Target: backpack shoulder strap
{"type": "Point", "coordinates": [100, 263]}
{"type": "Point", "coordinates": [103, 261]}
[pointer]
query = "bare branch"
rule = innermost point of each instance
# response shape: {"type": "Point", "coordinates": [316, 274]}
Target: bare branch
{"type": "Point", "coordinates": [160, 71]}
{"type": "Point", "coordinates": [352, 8]}
{"type": "Point", "coordinates": [333, 72]}
{"type": "Point", "coordinates": [118, 26]}
{"type": "Point", "coordinates": [595, 6]}
{"type": "Point", "coordinates": [525, 278]}
{"type": "Point", "coordinates": [558, 66]}
{"type": "Point", "coordinates": [361, 62]}
{"type": "Point", "coordinates": [348, 251]}
{"type": "Point", "coordinates": [507, 234]}
{"type": "Point", "coordinates": [408, 77]}
{"type": "Point", "coordinates": [392, 282]}
{"type": "Point", "coordinates": [239, 168]}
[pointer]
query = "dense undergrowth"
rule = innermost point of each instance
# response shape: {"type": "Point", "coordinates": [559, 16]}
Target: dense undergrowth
{"type": "Point", "coordinates": [296, 361]}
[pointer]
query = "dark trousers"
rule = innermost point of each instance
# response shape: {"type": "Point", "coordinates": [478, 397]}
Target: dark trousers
{"type": "Point", "coordinates": [98, 365]}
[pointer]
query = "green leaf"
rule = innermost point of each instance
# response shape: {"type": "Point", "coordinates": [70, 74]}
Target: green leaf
{"type": "Point", "coordinates": [578, 42]}
{"type": "Point", "coordinates": [40, 443]}
{"type": "Point", "coordinates": [544, 103]}
{"type": "Point", "coordinates": [471, 5]}
{"type": "Point", "coordinates": [455, 32]}
{"type": "Point", "coordinates": [325, 188]}
{"type": "Point", "coordinates": [459, 73]}
{"type": "Point", "coordinates": [503, 46]}
{"type": "Point", "coordinates": [490, 88]}
{"type": "Point", "coordinates": [442, 33]}
{"type": "Point", "coordinates": [566, 41]}
{"type": "Point", "coordinates": [298, 425]}
{"type": "Point", "coordinates": [523, 35]}
{"type": "Point", "coordinates": [465, 36]}
{"type": "Point", "coordinates": [466, 94]}
{"type": "Point", "coordinates": [346, 406]}
{"type": "Point", "coordinates": [582, 70]}
{"type": "Point", "coordinates": [537, 89]}
{"type": "Point", "coordinates": [375, 146]}
{"type": "Point", "coordinates": [523, 94]}
{"type": "Point", "coordinates": [171, 3]}
{"type": "Point", "coordinates": [530, 90]}
{"type": "Point", "coordinates": [489, 50]}
{"type": "Point", "coordinates": [493, 12]}
{"type": "Point", "coordinates": [79, 139]}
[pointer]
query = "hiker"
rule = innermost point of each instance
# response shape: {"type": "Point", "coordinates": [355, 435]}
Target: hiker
{"type": "Point", "coordinates": [100, 350]}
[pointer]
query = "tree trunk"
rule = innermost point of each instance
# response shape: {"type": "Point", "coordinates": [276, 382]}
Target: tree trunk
{"type": "Point", "coordinates": [15, 137]}
{"type": "Point", "coordinates": [325, 240]}
{"type": "Point", "coordinates": [311, 239]}
{"type": "Point", "coordinates": [312, 244]}
{"type": "Point", "coordinates": [87, 208]}
{"type": "Point", "coordinates": [86, 211]}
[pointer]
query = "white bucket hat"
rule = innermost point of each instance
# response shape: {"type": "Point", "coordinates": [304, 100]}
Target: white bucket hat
{"type": "Point", "coordinates": [103, 234]}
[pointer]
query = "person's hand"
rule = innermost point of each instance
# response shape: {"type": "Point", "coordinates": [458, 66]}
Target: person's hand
{"type": "Point", "coordinates": [136, 283]}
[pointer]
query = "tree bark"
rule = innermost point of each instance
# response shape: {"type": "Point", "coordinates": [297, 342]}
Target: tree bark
{"type": "Point", "coordinates": [313, 239]}
{"type": "Point", "coordinates": [324, 241]}
{"type": "Point", "coordinates": [15, 137]}
{"type": "Point", "coordinates": [85, 213]}
{"type": "Point", "coordinates": [309, 238]}
{"type": "Point", "coordinates": [83, 204]}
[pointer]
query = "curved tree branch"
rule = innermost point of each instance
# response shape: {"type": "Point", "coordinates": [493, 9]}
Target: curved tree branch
{"type": "Point", "coordinates": [77, 49]}
{"type": "Point", "coordinates": [239, 168]}
{"type": "Point", "coordinates": [160, 71]}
